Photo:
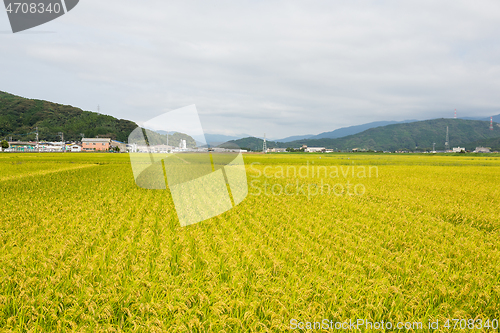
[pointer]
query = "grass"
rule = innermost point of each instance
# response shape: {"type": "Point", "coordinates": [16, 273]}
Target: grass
{"type": "Point", "coordinates": [82, 248]}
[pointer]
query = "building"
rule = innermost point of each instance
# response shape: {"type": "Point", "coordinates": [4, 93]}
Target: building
{"type": "Point", "coordinates": [227, 150]}
{"type": "Point", "coordinates": [96, 144]}
{"type": "Point", "coordinates": [118, 144]}
{"type": "Point", "coordinates": [50, 146]}
{"type": "Point", "coordinates": [74, 148]}
{"type": "Point", "coordinates": [482, 150]}
{"type": "Point", "coordinates": [458, 150]}
{"type": "Point", "coordinates": [276, 150]}
{"type": "Point", "coordinates": [160, 149]}
{"type": "Point", "coordinates": [314, 149]}
{"type": "Point", "coordinates": [21, 146]}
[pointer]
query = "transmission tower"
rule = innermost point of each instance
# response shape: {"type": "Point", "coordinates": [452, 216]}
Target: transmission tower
{"type": "Point", "coordinates": [491, 123]}
{"type": "Point", "coordinates": [264, 146]}
{"type": "Point", "coordinates": [37, 147]}
{"type": "Point", "coordinates": [455, 117]}
{"type": "Point", "coordinates": [447, 143]}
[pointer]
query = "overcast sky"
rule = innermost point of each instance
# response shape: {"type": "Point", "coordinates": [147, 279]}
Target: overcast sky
{"type": "Point", "coordinates": [276, 67]}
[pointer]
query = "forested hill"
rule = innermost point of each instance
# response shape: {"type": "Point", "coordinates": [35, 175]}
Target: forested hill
{"type": "Point", "coordinates": [251, 143]}
{"type": "Point", "coordinates": [415, 135]}
{"type": "Point", "coordinates": [19, 116]}
{"type": "Point", "coordinates": [408, 136]}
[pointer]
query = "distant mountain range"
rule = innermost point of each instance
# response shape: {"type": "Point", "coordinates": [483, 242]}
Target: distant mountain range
{"type": "Point", "coordinates": [345, 131]}
{"type": "Point", "coordinates": [495, 118]}
{"type": "Point", "coordinates": [19, 116]}
{"type": "Point", "coordinates": [254, 144]}
{"type": "Point", "coordinates": [350, 130]}
{"type": "Point", "coordinates": [401, 136]}
{"type": "Point", "coordinates": [340, 132]}
{"type": "Point", "coordinates": [213, 140]}
{"type": "Point", "coordinates": [295, 137]}
{"type": "Point", "coordinates": [216, 139]}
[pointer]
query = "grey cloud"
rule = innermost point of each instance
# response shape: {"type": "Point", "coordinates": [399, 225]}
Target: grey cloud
{"type": "Point", "coordinates": [253, 66]}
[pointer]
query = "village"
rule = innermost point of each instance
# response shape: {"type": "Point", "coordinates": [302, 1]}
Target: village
{"type": "Point", "coordinates": [110, 145]}
{"type": "Point", "coordinates": [104, 145]}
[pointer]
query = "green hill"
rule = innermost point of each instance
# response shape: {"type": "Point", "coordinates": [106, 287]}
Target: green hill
{"type": "Point", "coordinates": [411, 136]}
{"type": "Point", "coordinates": [493, 143]}
{"type": "Point", "coordinates": [19, 116]}
{"type": "Point", "coordinates": [407, 136]}
{"type": "Point", "coordinates": [251, 143]}
{"type": "Point", "coordinates": [155, 138]}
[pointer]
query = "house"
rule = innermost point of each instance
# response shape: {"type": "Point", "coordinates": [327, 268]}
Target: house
{"type": "Point", "coordinates": [482, 150]}
{"type": "Point", "coordinates": [276, 150]}
{"type": "Point", "coordinates": [458, 150]}
{"type": "Point", "coordinates": [74, 148]}
{"type": "Point", "coordinates": [315, 149]}
{"type": "Point", "coordinates": [50, 146]}
{"type": "Point", "coordinates": [118, 144]}
{"type": "Point", "coordinates": [96, 144]}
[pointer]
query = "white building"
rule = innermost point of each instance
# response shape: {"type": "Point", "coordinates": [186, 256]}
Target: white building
{"type": "Point", "coordinates": [160, 149]}
{"type": "Point", "coordinates": [482, 150]}
{"type": "Point", "coordinates": [314, 149]}
{"type": "Point", "coordinates": [228, 150]}
{"type": "Point", "coordinates": [74, 148]}
{"type": "Point", "coordinates": [50, 146]}
{"type": "Point", "coordinates": [458, 149]}
{"type": "Point", "coordinates": [276, 150]}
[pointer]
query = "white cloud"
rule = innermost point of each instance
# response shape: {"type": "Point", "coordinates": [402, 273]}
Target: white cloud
{"type": "Point", "coordinates": [280, 67]}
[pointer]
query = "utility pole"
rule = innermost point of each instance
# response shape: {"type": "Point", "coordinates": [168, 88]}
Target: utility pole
{"type": "Point", "coordinates": [447, 143]}
{"type": "Point", "coordinates": [62, 139]}
{"type": "Point", "coordinates": [433, 146]}
{"type": "Point", "coordinates": [264, 146]}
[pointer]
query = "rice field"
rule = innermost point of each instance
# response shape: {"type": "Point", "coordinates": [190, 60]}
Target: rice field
{"type": "Point", "coordinates": [336, 237]}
